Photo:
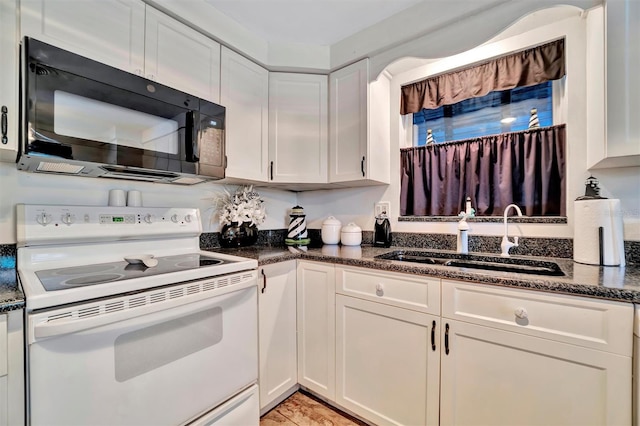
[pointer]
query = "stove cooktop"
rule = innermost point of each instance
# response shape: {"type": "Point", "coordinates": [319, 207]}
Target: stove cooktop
{"type": "Point", "coordinates": [88, 275]}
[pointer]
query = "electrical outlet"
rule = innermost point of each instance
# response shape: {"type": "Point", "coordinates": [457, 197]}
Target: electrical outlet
{"type": "Point", "coordinates": [382, 207]}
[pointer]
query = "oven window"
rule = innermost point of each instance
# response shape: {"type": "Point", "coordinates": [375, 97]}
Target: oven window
{"type": "Point", "coordinates": [84, 118]}
{"type": "Point", "coordinates": [144, 350]}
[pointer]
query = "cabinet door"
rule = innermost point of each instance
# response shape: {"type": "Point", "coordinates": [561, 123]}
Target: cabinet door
{"type": "Point", "coordinates": [244, 91]}
{"type": "Point", "coordinates": [277, 331]}
{"type": "Point", "coordinates": [316, 327]}
{"type": "Point", "coordinates": [623, 79]}
{"type": "Point", "coordinates": [12, 392]}
{"type": "Point", "coordinates": [9, 80]}
{"type": "Point", "coordinates": [496, 377]}
{"type": "Point", "coordinates": [180, 57]}
{"type": "Point", "coordinates": [108, 31]}
{"type": "Point", "coordinates": [348, 115]}
{"type": "Point", "coordinates": [387, 362]}
{"type": "Point", "coordinates": [298, 128]}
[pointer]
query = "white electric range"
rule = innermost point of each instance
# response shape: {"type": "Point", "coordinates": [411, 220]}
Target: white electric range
{"type": "Point", "coordinates": [166, 337]}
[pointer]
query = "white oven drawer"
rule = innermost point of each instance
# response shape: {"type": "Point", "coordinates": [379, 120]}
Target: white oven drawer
{"type": "Point", "coordinates": [142, 370]}
{"type": "Point", "coordinates": [597, 324]}
{"type": "Point", "coordinates": [413, 292]}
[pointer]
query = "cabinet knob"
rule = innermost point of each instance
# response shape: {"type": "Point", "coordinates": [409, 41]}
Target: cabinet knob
{"type": "Point", "coordinates": [379, 290]}
{"type": "Point", "coordinates": [521, 313]}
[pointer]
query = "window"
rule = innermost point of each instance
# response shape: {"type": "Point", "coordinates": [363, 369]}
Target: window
{"type": "Point", "coordinates": [498, 112]}
{"type": "Point", "coordinates": [483, 147]}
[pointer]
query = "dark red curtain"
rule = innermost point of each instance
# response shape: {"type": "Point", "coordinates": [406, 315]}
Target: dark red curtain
{"type": "Point", "coordinates": [526, 168]}
{"type": "Point", "coordinates": [526, 68]}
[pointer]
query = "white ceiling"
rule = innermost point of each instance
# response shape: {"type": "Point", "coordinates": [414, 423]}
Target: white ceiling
{"type": "Point", "coordinates": [315, 22]}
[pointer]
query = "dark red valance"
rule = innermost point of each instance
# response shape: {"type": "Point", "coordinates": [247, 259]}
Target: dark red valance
{"type": "Point", "coordinates": [525, 68]}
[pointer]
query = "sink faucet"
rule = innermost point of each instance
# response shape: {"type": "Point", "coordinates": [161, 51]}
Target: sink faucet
{"type": "Point", "coordinates": [506, 244]}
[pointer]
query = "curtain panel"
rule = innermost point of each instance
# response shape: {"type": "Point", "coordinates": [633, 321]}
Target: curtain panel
{"type": "Point", "coordinates": [525, 68]}
{"type": "Point", "coordinates": [526, 168]}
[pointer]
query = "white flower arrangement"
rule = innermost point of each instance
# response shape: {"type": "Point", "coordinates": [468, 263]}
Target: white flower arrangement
{"type": "Point", "coordinates": [245, 205]}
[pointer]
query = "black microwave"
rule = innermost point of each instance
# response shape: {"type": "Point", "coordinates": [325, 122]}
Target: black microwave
{"type": "Point", "coordinates": [85, 118]}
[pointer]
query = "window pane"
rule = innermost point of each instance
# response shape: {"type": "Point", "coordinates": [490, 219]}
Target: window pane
{"type": "Point", "coordinates": [485, 115]}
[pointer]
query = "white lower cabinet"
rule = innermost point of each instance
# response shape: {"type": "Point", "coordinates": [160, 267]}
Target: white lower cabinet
{"type": "Point", "coordinates": [316, 327]}
{"type": "Point", "coordinates": [387, 362]}
{"type": "Point", "coordinates": [12, 396]}
{"type": "Point", "coordinates": [277, 332]}
{"type": "Point", "coordinates": [513, 357]}
{"type": "Point", "coordinates": [415, 350]}
{"type": "Point", "coordinates": [388, 346]}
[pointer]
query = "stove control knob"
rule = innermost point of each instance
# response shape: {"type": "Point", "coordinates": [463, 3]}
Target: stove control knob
{"type": "Point", "coordinates": [149, 218]}
{"type": "Point", "coordinates": [187, 218]}
{"type": "Point", "coordinates": [43, 219]}
{"type": "Point", "coordinates": [68, 218]}
{"type": "Point", "coordinates": [174, 218]}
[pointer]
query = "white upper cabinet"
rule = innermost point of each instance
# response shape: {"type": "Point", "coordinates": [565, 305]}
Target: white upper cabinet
{"type": "Point", "coordinates": [623, 79]}
{"type": "Point", "coordinates": [108, 31]}
{"type": "Point", "coordinates": [613, 98]}
{"type": "Point", "coordinates": [180, 57]}
{"type": "Point", "coordinates": [297, 128]}
{"type": "Point", "coordinates": [130, 36]}
{"type": "Point", "coordinates": [244, 91]}
{"type": "Point", "coordinates": [359, 126]}
{"type": "Point", "coordinates": [8, 80]}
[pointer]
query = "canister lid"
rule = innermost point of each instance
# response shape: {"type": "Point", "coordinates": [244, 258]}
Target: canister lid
{"type": "Point", "coordinates": [351, 228]}
{"type": "Point", "coordinates": [331, 221]}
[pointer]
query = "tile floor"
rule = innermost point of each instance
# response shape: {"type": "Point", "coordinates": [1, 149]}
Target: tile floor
{"type": "Point", "coordinates": [302, 410]}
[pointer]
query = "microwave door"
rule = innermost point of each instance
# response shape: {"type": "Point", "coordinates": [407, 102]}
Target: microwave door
{"type": "Point", "coordinates": [81, 119]}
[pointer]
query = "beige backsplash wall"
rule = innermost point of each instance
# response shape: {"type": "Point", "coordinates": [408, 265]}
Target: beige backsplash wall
{"type": "Point", "coordinates": [29, 188]}
{"type": "Point", "coordinates": [357, 204]}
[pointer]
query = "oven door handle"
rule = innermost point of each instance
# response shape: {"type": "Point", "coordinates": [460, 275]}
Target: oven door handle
{"type": "Point", "coordinates": [170, 309]}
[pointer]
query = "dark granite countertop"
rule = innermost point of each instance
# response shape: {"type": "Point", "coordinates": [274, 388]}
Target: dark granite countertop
{"type": "Point", "coordinates": [11, 297]}
{"type": "Point", "coordinates": [612, 283]}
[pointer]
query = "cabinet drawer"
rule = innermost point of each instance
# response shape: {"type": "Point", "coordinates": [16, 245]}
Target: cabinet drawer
{"type": "Point", "coordinates": [598, 324]}
{"type": "Point", "coordinates": [403, 290]}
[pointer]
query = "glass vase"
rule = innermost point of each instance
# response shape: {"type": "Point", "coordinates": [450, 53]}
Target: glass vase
{"type": "Point", "coordinates": [238, 235]}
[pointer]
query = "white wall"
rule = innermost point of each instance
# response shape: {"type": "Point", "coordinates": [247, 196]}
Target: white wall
{"type": "Point", "coordinates": [615, 183]}
{"type": "Point", "coordinates": [30, 188]}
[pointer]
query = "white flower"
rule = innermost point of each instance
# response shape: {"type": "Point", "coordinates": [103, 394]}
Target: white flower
{"type": "Point", "coordinates": [244, 206]}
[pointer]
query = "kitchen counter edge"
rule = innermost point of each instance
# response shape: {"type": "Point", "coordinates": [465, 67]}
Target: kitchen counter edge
{"type": "Point", "coordinates": [611, 283]}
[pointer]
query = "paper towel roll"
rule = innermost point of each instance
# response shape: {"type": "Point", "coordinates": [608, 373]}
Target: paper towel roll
{"type": "Point", "coordinates": [590, 216]}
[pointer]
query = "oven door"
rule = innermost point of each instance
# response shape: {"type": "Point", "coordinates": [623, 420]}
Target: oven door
{"type": "Point", "coordinates": [163, 357]}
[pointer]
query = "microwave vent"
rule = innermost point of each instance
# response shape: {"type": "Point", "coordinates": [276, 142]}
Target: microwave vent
{"type": "Point", "coordinates": [185, 180]}
{"type": "Point", "coordinates": [59, 168]}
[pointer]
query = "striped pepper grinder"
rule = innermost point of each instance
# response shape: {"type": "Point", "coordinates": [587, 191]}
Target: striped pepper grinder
{"type": "Point", "coordinates": [297, 233]}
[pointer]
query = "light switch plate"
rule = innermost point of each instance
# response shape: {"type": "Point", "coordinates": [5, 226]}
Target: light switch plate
{"type": "Point", "coordinates": [382, 207]}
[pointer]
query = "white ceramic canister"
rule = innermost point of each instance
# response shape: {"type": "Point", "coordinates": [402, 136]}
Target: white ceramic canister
{"type": "Point", "coordinates": [331, 230]}
{"type": "Point", "coordinates": [351, 235]}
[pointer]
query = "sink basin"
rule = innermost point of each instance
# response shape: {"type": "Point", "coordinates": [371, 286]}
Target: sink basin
{"type": "Point", "coordinates": [484, 262]}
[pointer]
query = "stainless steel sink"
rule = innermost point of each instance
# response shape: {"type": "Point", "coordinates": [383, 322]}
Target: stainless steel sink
{"type": "Point", "coordinates": [484, 262]}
